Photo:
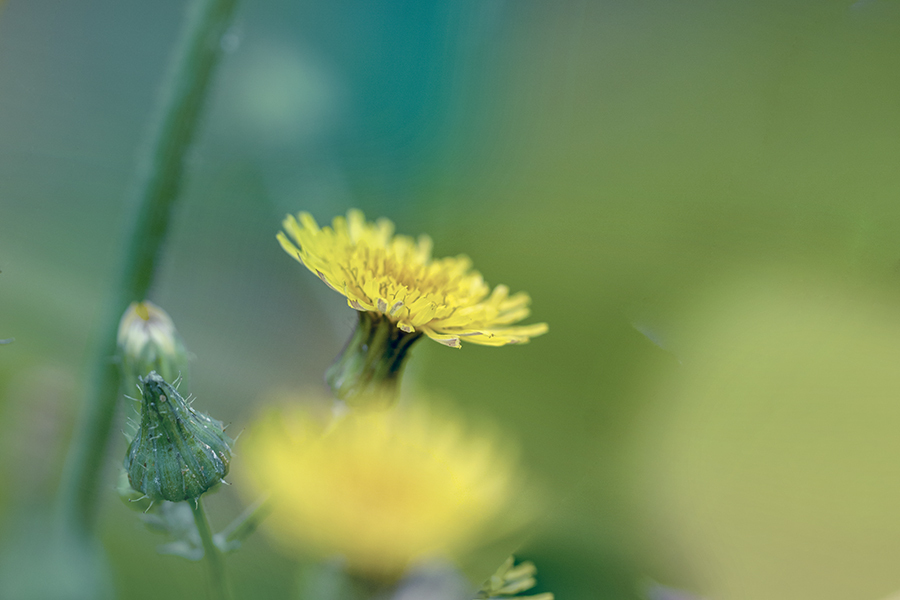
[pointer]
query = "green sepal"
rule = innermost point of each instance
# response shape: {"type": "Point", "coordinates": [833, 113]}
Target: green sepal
{"type": "Point", "coordinates": [133, 499]}
{"type": "Point", "coordinates": [510, 580]}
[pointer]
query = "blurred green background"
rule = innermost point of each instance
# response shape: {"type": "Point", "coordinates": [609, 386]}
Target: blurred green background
{"type": "Point", "coordinates": [703, 199]}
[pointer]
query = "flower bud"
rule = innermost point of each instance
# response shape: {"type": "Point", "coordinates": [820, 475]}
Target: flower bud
{"type": "Point", "coordinates": [177, 453]}
{"type": "Point", "coordinates": [148, 342]}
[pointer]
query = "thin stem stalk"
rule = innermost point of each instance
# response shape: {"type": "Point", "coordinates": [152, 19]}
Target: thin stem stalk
{"type": "Point", "coordinates": [156, 191]}
{"type": "Point", "coordinates": [245, 524]}
{"type": "Point", "coordinates": [211, 553]}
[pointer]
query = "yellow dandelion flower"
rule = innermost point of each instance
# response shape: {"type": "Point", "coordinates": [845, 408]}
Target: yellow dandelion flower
{"type": "Point", "coordinates": [396, 276]}
{"type": "Point", "coordinates": [381, 489]}
{"type": "Point", "coordinates": [401, 293]}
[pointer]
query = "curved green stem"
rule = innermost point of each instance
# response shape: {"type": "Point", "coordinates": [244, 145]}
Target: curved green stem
{"type": "Point", "coordinates": [214, 558]}
{"type": "Point", "coordinates": [158, 182]}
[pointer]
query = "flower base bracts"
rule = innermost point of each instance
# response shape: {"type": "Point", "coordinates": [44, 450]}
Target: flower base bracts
{"type": "Point", "coordinates": [177, 453]}
{"type": "Point", "coordinates": [367, 373]}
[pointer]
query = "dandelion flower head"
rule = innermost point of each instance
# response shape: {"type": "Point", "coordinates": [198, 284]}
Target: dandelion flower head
{"type": "Point", "coordinates": [396, 276]}
{"type": "Point", "coordinates": [381, 489]}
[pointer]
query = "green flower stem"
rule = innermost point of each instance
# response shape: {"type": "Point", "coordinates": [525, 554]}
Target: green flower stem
{"type": "Point", "coordinates": [214, 558]}
{"type": "Point", "coordinates": [369, 588]}
{"type": "Point", "coordinates": [245, 524]}
{"type": "Point", "coordinates": [158, 181]}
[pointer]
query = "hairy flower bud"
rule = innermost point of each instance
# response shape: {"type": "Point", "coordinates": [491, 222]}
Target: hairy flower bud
{"type": "Point", "coordinates": [177, 453]}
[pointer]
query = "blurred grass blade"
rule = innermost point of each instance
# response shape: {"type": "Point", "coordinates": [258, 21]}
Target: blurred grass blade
{"type": "Point", "coordinates": [156, 191]}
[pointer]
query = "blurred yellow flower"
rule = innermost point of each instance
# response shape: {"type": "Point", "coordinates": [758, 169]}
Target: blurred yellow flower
{"type": "Point", "coordinates": [382, 489]}
{"type": "Point", "coordinates": [396, 276]}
